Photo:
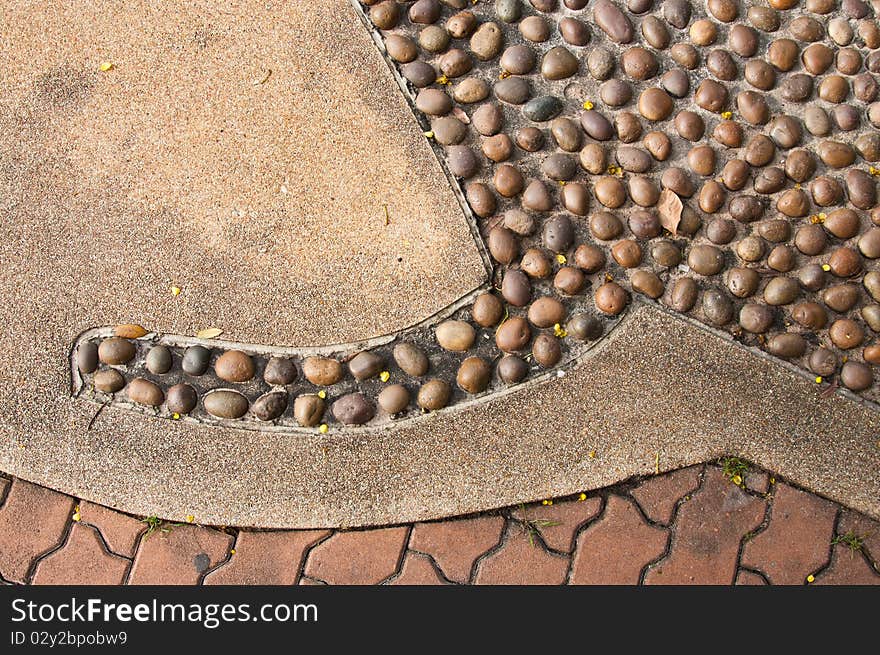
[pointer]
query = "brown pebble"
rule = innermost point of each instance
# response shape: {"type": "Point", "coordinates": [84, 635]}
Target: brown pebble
{"type": "Point", "coordinates": [658, 144]}
{"type": "Point", "coordinates": [627, 253]}
{"type": "Point", "coordinates": [611, 298]}
{"type": "Point", "coordinates": [308, 410]}
{"type": "Point", "coordinates": [753, 107]}
{"type": "Point", "coordinates": [756, 319]}
{"type": "Point", "coordinates": [721, 231]}
{"type": "Point", "coordinates": [474, 375]}
{"type": "Point", "coordinates": [810, 314]}
{"type": "Point", "coordinates": [589, 258]}
{"type": "Point", "coordinates": [322, 371]}
{"type": "Point", "coordinates": [109, 380]}
{"type": "Point", "coordinates": [823, 362]}
{"type": "Point", "coordinates": [787, 346]}
{"type": "Point", "coordinates": [116, 351]}
{"type": "Point", "coordinates": [411, 359]}
{"type": "Point", "coordinates": [576, 198]}
{"type": "Point", "coordinates": [536, 264]}
{"type": "Point", "coordinates": [728, 133]}
{"type": "Point", "coordinates": [487, 310]}
{"type": "Point", "coordinates": [515, 288]}
{"type": "Point", "coordinates": [705, 259]}
{"type": "Point", "coordinates": [512, 369]}
{"type": "Point", "coordinates": [393, 399]}
{"type": "Point", "coordinates": [690, 125]}
{"type": "Point", "coordinates": [434, 395]}
{"type": "Point", "coordinates": [742, 282]}
{"type": "Point", "coordinates": [856, 376]}
{"type": "Point", "coordinates": [270, 406]}
{"type": "Point", "coordinates": [610, 191]}
{"type": "Point", "coordinates": [846, 334]}
{"type": "Point", "coordinates": [366, 365]}
{"type": "Point", "coordinates": [546, 311]}
{"type": "Point", "coordinates": [234, 366]}
{"type": "Point", "coordinates": [181, 399]}
{"type": "Point", "coordinates": [498, 148]}
{"type": "Point", "coordinates": [783, 54]}
{"type": "Point", "coordinates": [513, 335]}
{"type": "Point", "coordinates": [841, 297]}
{"type": "Point", "coordinates": [546, 350]}
{"type": "Point", "coordinates": [455, 335]}
{"type": "Point", "coordinates": [647, 283]}
{"type": "Point", "coordinates": [711, 95]}
{"type": "Point", "coordinates": [480, 199]}
{"type": "Point", "coordinates": [845, 262]}
{"type": "Point", "coordinates": [559, 63]}
{"type": "Point", "coordinates": [869, 243]}
{"type": "Point", "coordinates": [225, 403]}
{"type": "Point", "coordinates": [701, 159]}
{"type": "Point", "coordinates": [536, 197]}
{"type": "Point", "coordinates": [569, 280]}
{"type": "Point", "coordinates": [683, 295]}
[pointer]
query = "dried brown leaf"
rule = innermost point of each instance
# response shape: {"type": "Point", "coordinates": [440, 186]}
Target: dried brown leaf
{"type": "Point", "coordinates": [669, 207]}
{"type": "Point", "coordinates": [129, 331]}
{"type": "Point", "coordinates": [209, 333]}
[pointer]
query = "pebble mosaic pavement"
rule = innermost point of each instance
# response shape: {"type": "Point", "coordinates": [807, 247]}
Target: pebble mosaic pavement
{"type": "Point", "coordinates": [714, 158]}
{"type": "Point", "coordinates": [691, 526]}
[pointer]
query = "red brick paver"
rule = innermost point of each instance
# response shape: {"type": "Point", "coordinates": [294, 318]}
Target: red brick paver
{"type": "Point", "coordinates": [266, 558]}
{"type": "Point", "coordinates": [179, 556]}
{"type": "Point", "coordinates": [83, 560]}
{"type": "Point", "coordinates": [359, 557]}
{"type": "Point", "coordinates": [688, 526]}
{"type": "Point", "coordinates": [866, 530]}
{"type": "Point", "coordinates": [796, 542]}
{"type": "Point", "coordinates": [558, 523]}
{"type": "Point", "coordinates": [417, 569]}
{"type": "Point", "coordinates": [455, 545]}
{"type": "Point", "coordinates": [708, 532]}
{"type": "Point", "coordinates": [120, 531]}
{"type": "Point", "coordinates": [615, 549]}
{"type": "Point", "coordinates": [520, 562]}
{"type": "Point", "coordinates": [848, 567]}
{"type": "Point", "coordinates": [659, 495]}
{"type": "Point", "coordinates": [32, 522]}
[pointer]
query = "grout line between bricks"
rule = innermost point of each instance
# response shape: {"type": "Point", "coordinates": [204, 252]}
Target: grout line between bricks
{"type": "Point", "coordinates": [671, 528]}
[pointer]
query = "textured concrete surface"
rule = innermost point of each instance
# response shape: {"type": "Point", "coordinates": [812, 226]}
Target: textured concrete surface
{"type": "Point", "coordinates": [656, 390]}
{"type": "Point", "coordinates": [261, 195]}
{"type": "Point", "coordinates": [604, 537]}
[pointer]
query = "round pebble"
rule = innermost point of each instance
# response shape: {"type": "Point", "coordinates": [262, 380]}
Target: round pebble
{"type": "Point", "coordinates": [394, 398]}
{"type": "Point", "coordinates": [353, 409]}
{"type": "Point", "coordinates": [308, 410]}
{"type": "Point", "coordinates": [234, 366]}
{"type": "Point", "coordinates": [270, 406]}
{"type": "Point", "coordinates": [181, 399]}
{"type": "Point", "coordinates": [196, 360]}
{"type": "Point", "coordinates": [225, 403]}
{"type": "Point", "coordinates": [433, 395]}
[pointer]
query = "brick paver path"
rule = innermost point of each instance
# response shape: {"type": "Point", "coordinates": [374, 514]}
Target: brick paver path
{"type": "Point", "coordinates": [692, 526]}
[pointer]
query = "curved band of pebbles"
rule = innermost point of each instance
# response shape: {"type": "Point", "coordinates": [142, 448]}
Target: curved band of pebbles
{"type": "Point", "coordinates": [715, 158]}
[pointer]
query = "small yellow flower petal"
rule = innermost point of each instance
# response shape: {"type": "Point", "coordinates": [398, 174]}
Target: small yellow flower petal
{"type": "Point", "coordinates": [561, 258]}
{"type": "Point", "coordinates": [826, 267]}
{"type": "Point", "coordinates": [384, 376]}
{"type": "Point", "coordinates": [106, 66]}
{"type": "Point", "coordinates": [588, 105]}
{"type": "Point", "coordinates": [175, 291]}
{"type": "Point", "coordinates": [811, 578]}
{"type": "Point", "coordinates": [737, 479]}
{"type": "Point", "coordinates": [232, 552]}
{"type": "Point", "coordinates": [726, 115]}
{"type": "Point", "coordinates": [429, 134]}
{"type": "Point", "coordinates": [76, 515]}
{"type": "Point", "coordinates": [323, 429]}
{"type": "Point", "coordinates": [818, 379]}
{"type": "Point", "coordinates": [322, 394]}
{"type": "Point", "coordinates": [175, 416]}
{"type": "Point", "coordinates": [190, 518]}
{"type": "Point", "coordinates": [559, 331]}
{"type": "Point", "coordinates": [592, 454]}
{"type": "Point", "coordinates": [583, 496]}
